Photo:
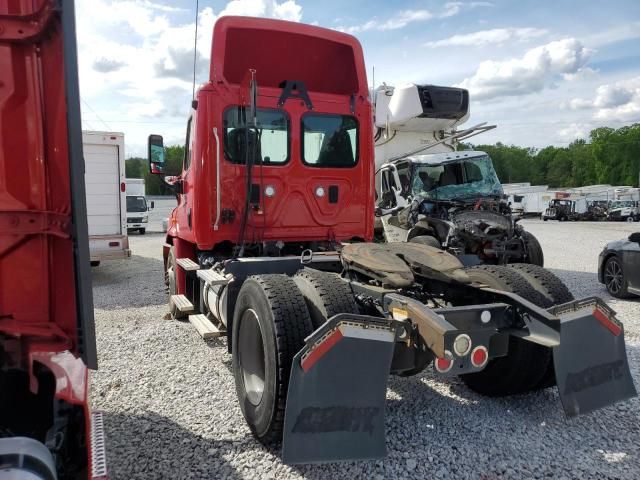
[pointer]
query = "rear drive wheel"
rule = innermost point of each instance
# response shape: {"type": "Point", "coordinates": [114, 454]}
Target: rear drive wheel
{"type": "Point", "coordinates": [534, 250]}
{"type": "Point", "coordinates": [615, 278]}
{"type": "Point", "coordinates": [526, 363]}
{"type": "Point", "coordinates": [95, 263]}
{"type": "Point", "coordinates": [325, 294]}
{"type": "Point", "coordinates": [427, 240]}
{"type": "Point", "coordinates": [556, 292]}
{"type": "Point", "coordinates": [270, 323]}
{"type": "Point", "coordinates": [142, 231]}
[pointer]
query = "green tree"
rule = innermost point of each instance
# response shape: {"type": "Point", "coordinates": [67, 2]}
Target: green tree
{"type": "Point", "coordinates": [136, 167]}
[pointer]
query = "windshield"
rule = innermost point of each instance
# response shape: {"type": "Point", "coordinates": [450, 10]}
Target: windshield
{"type": "Point", "coordinates": [467, 179]}
{"type": "Point", "coordinates": [136, 204]}
{"type": "Point", "coordinates": [622, 204]}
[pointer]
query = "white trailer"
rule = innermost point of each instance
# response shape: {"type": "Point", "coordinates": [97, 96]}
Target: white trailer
{"type": "Point", "coordinates": [105, 185]}
{"type": "Point", "coordinates": [137, 208]}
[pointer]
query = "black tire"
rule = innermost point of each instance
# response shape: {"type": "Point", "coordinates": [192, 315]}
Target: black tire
{"type": "Point", "coordinates": [270, 316]}
{"type": "Point", "coordinates": [544, 282]}
{"type": "Point", "coordinates": [556, 292]}
{"type": "Point", "coordinates": [427, 240]}
{"type": "Point", "coordinates": [95, 263]}
{"type": "Point", "coordinates": [170, 282]}
{"type": "Point", "coordinates": [526, 363]}
{"type": "Point", "coordinates": [534, 250]}
{"type": "Point", "coordinates": [142, 231]}
{"type": "Point", "coordinates": [325, 294]}
{"type": "Point", "coordinates": [615, 278]}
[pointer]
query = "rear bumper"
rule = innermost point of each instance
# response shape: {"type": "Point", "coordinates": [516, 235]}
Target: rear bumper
{"type": "Point", "coordinates": [109, 247]}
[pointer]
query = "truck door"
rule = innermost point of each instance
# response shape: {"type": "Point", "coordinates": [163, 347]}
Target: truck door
{"type": "Point", "coordinates": [184, 212]}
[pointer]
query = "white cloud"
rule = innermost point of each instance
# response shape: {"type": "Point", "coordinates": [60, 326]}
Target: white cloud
{"type": "Point", "coordinates": [574, 131]}
{"type": "Point", "coordinates": [495, 36]}
{"type": "Point", "coordinates": [609, 96]}
{"type": "Point", "coordinates": [530, 73]}
{"type": "Point", "coordinates": [454, 8]}
{"type": "Point", "coordinates": [399, 20]}
{"type": "Point", "coordinates": [619, 33]}
{"type": "Point", "coordinates": [136, 62]}
{"type": "Point", "coordinates": [619, 101]}
{"type": "Point", "coordinates": [404, 17]}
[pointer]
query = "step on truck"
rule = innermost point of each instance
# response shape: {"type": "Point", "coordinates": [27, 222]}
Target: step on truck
{"type": "Point", "coordinates": [270, 246]}
{"type": "Point", "coordinates": [47, 339]}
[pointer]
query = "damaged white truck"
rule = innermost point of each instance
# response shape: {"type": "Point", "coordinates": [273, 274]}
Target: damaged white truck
{"type": "Point", "coordinates": [429, 193]}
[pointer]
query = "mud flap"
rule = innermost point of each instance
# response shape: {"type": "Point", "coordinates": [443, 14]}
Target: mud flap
{"type": "Point", "coordinates": [337, 391]}
{"type": "Point", "coordinates": [591, 360]}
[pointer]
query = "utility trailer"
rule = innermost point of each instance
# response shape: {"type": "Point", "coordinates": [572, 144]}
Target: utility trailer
{"type": "Point", "coordinates": [271, 246]}
{"type": "Point", "coordinates": [47, 339]}
{"type": "Point", "coordinates": [106, 197]}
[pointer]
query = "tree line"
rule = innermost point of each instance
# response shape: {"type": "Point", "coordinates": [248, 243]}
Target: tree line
{"type": "Point", "coordinates": [137, 167]}
{"type": "Point", "coordinates": [610, 156]}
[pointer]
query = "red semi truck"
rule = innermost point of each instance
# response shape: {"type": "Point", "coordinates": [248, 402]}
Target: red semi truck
{"type": "Point", "coordinates": [47, 339]}
{"type": "Point", "coordinates": [271, 243]}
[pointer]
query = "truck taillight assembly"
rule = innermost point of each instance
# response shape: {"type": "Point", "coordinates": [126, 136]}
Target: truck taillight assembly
{"type": "Point", "coordinates": [462, 345]}
{"type": "Point", "coordinates": [479, 356]}
{"type": "Point", "coordinates": [443, 365]}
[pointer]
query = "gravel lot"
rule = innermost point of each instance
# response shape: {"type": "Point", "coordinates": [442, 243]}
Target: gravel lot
{"type": "Point", "coordinates": [171, 411]}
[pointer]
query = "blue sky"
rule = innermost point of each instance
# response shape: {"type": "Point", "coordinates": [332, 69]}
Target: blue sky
{"type": "Point", "coordinates": [544, 72]}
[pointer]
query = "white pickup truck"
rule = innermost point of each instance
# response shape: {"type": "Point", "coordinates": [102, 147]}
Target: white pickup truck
{"type": "Point", "coordinates": [105, 185]}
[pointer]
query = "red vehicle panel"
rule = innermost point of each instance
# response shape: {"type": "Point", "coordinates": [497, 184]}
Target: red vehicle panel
{"type": "Point", "coordinates": [47, 336]}
{"type": "Point", "coordinates": [294, 201]}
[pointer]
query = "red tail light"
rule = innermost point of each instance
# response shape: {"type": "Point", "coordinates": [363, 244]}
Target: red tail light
{"type": "Point", "coordinates": [123, 187]}
{"type": "Point", "coordinates": [479, 356]}
{"type": "Point", "coordinates": [443, 365]}
{"type": "Point", "coordinates": [114, 244]}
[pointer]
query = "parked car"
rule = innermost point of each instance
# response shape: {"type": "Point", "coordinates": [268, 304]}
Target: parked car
{"type": "Point", "coordinates": [619, 267]}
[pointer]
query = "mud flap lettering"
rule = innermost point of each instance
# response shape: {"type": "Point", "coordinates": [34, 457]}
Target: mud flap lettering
{"type": "Point", "coordinates": [591, 362]}
{"type": "Point", "coordinates": [336, 419]}
{"type": "Point", "coordinates": [336, 404]}
{"type": "Point", "coordinates": [593, 376]}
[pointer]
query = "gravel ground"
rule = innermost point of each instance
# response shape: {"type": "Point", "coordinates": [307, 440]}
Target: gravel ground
{"type": "Point", "coordinates": [171, 411]}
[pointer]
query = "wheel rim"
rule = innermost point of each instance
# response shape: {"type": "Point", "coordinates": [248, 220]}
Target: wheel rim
{"type": "Point", "coordinates": [613, 276]}
{"type": "Point", "coordinates": [251, 356]}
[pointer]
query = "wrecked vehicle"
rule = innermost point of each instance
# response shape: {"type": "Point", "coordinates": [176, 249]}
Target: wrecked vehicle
{"type": "Point", "coordinates": [453, 201]}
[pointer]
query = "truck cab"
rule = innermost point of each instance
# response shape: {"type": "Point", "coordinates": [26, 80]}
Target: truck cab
{"type": "Point", "coordinates": [625, 210]}
{"type": "Point", "coordinates": [137, 206]}
{"type": "Point", "coordinates": [277, 152]}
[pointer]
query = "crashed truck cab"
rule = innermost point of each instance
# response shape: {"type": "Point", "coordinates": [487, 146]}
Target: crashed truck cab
{"type": "Point", "coordinates": [270, 245]}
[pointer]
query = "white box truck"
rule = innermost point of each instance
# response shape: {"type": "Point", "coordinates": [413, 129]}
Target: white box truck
{"type": "Point", "coordinates": [137, 207]}
{"type": "Point", "coordinates": [105, 184]}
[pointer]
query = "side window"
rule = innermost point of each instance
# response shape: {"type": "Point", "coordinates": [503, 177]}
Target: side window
{"type": "Point", "coordinates": [404, 173]}
{"type": "Point", "coordinates": [388, 197]}
{"type": "Point", "coordinates": [329, 140]}
{"type": "Point", "coordinates": [187, 146]}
